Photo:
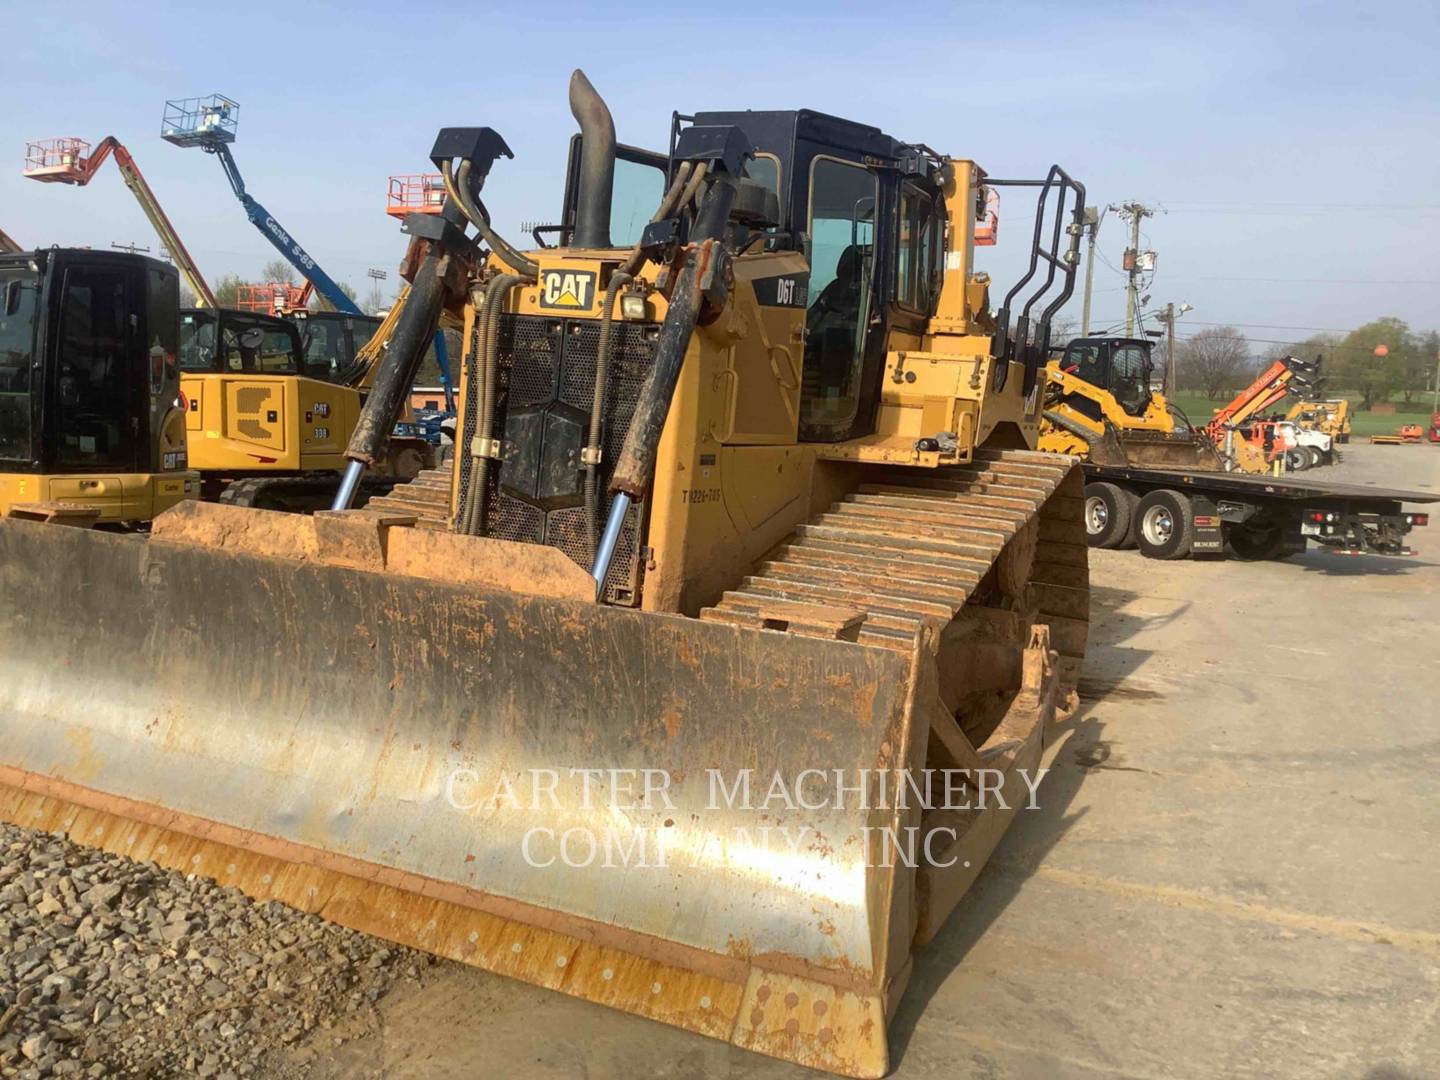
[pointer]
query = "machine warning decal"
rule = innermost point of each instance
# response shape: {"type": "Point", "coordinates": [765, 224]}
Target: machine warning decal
{"type": "Point", "coordinates": [573, 289]}
{"type": "Point", "coordinates": [784, 290]}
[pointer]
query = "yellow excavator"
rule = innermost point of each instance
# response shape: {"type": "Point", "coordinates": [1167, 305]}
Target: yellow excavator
{"type": "Point", "coordinates": [90, 428]}
{"type": "Point", "coordinates": [268, 413]}
{"type": "Point", "coordinates": [704, 683]}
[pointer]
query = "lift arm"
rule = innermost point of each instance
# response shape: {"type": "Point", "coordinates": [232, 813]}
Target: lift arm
{"type": "Point", "coordinates": [84, 171]}
{"type": "Point", "coordinates": [1271, 386]}
{"type": "Point", "coordinates": [299, 258]}
{"type": "Point", "coordinates": [284, 243]}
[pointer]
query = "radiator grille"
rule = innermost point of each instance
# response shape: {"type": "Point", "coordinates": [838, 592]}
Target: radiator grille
{"type": "Point", "coordinates": [547, 363]}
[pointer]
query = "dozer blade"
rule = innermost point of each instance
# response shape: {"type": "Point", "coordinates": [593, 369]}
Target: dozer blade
{"type": "Point", "coordinates": [500, 773]}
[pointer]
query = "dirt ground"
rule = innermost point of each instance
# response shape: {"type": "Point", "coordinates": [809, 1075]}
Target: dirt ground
{"type": "Point", "coordinates": [1232, 873]}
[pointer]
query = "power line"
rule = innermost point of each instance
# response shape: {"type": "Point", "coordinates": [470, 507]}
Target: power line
{"type": "Point", "coordinates": [1304, 281]}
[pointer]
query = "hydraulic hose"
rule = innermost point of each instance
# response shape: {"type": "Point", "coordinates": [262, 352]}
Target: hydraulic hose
{"type": "Point", "coordinates": [457, 187]}
{"type": "Point", "coordinates": [635, 469]}
{"type": "Point", "coordinates": [618, 281]}
{"type": "Point", "coordinates": [669, 203]}
{"type": "Point", "coordinates": [481, 446]}
{"type": "Point", "coordinates": [474, 392]}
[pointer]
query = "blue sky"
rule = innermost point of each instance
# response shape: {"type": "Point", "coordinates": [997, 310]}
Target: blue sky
{"type": "Point", "coordinates": [1296, 147]}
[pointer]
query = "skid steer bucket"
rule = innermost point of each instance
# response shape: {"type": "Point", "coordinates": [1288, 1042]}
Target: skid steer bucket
{"type": "Point", "coordinates": [579, 796]}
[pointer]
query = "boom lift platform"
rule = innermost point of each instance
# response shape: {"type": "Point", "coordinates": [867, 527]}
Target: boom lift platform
{"type": "Point", "coordinates": [71, 161]}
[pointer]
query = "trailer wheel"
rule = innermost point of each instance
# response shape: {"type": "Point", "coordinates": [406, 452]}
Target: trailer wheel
{"type": "Point", "coordinates": [1109, 515]}
{"type": "Point", "coordinates": [1164, 525]}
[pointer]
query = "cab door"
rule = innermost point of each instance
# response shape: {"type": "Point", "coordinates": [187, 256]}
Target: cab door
{"type": "Point", "coordinates": [842, 337]}
{"type": "Point", "coordinates": [98, 392]}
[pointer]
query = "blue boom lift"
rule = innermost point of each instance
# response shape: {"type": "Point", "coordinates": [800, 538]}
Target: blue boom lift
{"type": "Point", "coordinates": [209, 123]}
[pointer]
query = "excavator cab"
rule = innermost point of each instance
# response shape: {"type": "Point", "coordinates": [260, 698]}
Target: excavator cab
{"type": "Point", "coordinates": [89, 386]}
{"type": "Point", "coordinates": [331, 342]}
{"type": "Point", "coordinates": [1120, 365]}
{"type": "Point", "coordinates": [221, 340]}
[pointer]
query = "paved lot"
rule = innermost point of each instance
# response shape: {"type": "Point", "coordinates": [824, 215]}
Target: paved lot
{"type": "Point", "coordinates": [1233, 872]}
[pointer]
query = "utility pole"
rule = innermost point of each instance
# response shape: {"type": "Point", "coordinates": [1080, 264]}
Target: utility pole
{"type": "Point", "coordinates": [1168, 317]}
{"type": "Point", "coordinates": [1136, 261]}
{"type": "Point", "coordinates": [1092, 226]}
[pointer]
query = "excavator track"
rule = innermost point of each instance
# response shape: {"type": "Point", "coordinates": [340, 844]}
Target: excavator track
{"type": "Point", "coordinates": [910, 548]}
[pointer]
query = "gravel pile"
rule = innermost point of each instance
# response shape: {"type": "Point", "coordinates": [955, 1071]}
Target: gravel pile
{"type": "Point", "coordinates": [113, 968]}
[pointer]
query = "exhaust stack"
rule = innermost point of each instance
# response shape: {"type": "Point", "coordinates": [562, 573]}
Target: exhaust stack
{"type": "Point", "coordinates": [597, 164]}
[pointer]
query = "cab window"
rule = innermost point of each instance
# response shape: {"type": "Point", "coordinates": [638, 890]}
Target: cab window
{"type": "Point", "coordinates": [917, 252]}
{"type": "Point", "coordinates": [633, 200]}
{"type": "Point", "coordinates": [258, 348]}
{"type": "Point", "coordinates": [764, 169]}
{"type": "Point", "coordinates": [19, 298]}
{"type": "Point", "coordinates": [1086, 363]}
{"type": "Point", "coordinates": [842, 245]}
{"type": "Point", "coordinates": [1129, 377]}
{"type": "Point", "coordinates": [162, 315]}
{"type": "Point", "coordinates": [197, 342]}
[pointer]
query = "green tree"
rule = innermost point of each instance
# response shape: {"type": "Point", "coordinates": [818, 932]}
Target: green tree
{"type": "Point", "coordinates": [1374, 377]}
{"type": "Point", "coordinates": [279, 270]}
{"type": "Point", "coordinates": [1216, 361]}
{"type": "Point", "coordinates": [1417, 364]}
{"type": "Point", "coordinates": [227, 289]}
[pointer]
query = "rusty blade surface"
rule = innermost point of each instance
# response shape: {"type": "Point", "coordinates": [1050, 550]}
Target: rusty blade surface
{"type": "Point", "coordinates": [371, 726]}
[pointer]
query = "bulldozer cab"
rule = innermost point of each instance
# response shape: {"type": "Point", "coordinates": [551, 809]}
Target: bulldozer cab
{"type": "Point", "coordinates": [223, 341]}
{"type": "Point", "coordinates": [867, 212]}
{"type": "Point", "coordinates": [1120, 365]}
{"type": "Point", "coordinates": [87, 362]}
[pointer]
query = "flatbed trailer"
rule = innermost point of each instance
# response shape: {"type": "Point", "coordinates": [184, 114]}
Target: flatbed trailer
{"type": "Point", "coordinates": [1171, 513]}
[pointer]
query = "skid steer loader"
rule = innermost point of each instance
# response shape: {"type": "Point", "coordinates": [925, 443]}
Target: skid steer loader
{"type": "Point", "coordinates": [684, 689]}
{"type": "Point", "coordinates": [1099, 406]}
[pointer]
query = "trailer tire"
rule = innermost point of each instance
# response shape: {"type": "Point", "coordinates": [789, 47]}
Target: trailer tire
{"type": "Point", "coordinates": [1164, 525]}
{"type": "Point", "coordinates": [1109, 515]}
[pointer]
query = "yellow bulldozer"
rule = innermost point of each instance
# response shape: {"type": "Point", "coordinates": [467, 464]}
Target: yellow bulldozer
{"type": "Point", "coordinates": [90, 429]}
{"type": "Point", "coordinates": [704, 683]}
